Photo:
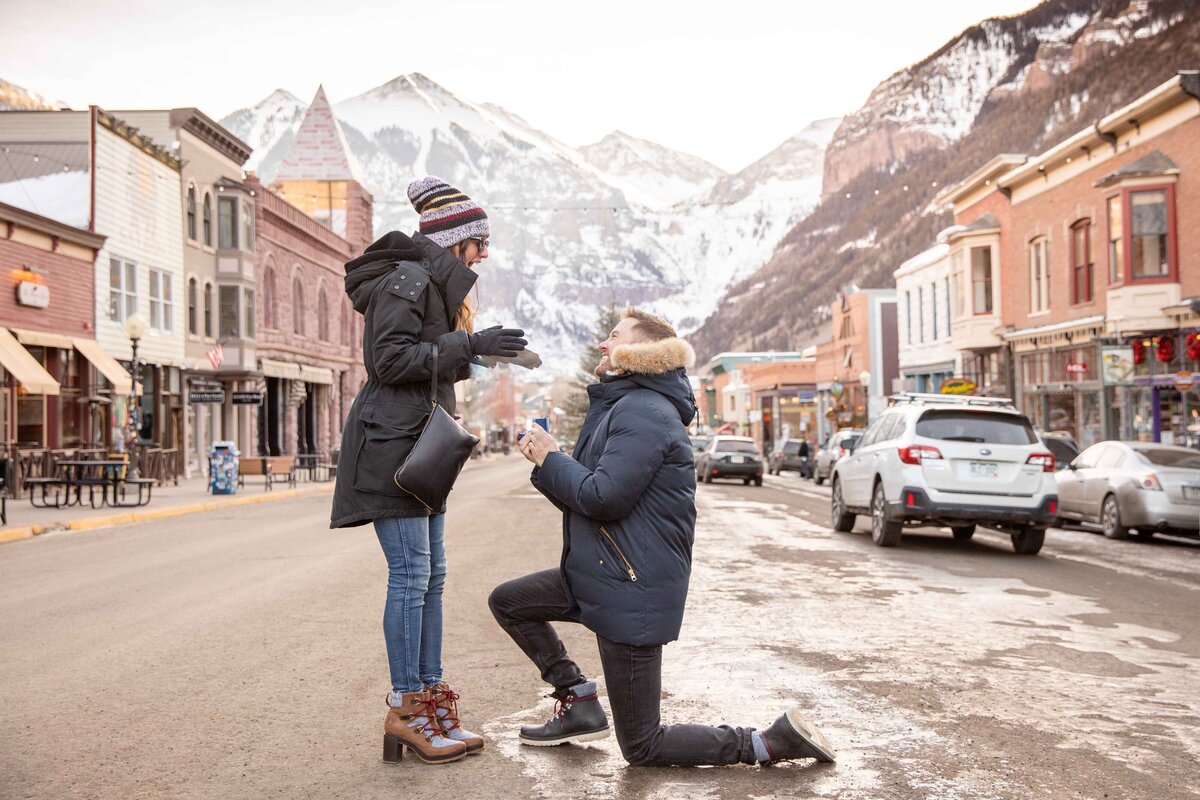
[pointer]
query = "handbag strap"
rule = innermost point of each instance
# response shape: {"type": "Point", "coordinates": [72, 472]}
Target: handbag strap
{"type": "Point", "coordinates": [434, 380]}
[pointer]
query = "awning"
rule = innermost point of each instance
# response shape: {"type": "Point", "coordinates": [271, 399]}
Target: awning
{"type": "Point", "coordinates": [43, 339]}
{"type": "Point", "coordinates": [108, 366]}
{"type": "Point", "coordinates": [24, 367]}
{"type": "Point", "coordinates": [280, 369]}
{"type": "Point", "coordinates": [316, 375]}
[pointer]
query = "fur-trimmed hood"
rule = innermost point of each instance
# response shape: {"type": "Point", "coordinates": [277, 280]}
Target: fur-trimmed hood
{"type": "Point", "coordinates": [660, 366]}
{"type": "Point", "coordinates": [653, 358]}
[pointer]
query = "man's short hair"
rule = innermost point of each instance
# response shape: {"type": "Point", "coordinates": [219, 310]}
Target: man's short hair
{"type": "Point", "coordinates": [652, 327]}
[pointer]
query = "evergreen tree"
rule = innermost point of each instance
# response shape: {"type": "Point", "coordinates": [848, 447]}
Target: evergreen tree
{"type": "Point", "coordinates": [577, 402]}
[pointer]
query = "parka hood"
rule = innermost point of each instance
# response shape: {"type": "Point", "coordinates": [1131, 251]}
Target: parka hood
{"type": "Point", "coordinates": [362, 273]}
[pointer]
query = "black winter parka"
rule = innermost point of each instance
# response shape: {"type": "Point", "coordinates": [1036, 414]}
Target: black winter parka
{"type": "Point", "coordinates": [409, 290]}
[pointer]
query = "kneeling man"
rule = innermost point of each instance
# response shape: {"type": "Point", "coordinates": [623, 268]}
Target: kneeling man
{"type": "Point", "coordinates": [628, 497]}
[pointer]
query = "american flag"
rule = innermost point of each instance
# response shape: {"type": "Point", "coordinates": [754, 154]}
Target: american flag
{"type": "Point", "coordinates": [216, 356]}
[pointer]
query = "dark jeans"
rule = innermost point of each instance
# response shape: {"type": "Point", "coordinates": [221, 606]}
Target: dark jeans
{"type": "Point", "coordinates": [526, 606]}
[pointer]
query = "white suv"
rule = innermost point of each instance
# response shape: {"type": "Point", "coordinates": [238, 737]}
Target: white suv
{"type": "Point", "coordinates": [935, 459]}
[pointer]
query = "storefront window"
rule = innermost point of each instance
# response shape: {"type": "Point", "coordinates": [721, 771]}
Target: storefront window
{"type": "Point", "coordinates": [71, 410]}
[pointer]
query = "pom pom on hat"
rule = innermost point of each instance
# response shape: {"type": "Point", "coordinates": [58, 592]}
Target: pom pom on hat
{"type": "Point", "coordinates": [447, 215]}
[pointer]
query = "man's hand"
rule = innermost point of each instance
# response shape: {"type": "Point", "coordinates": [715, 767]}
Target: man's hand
{"type": "Point", "coordinates": [536, 444]}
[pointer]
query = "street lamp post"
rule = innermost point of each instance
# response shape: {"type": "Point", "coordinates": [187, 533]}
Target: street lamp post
{"type": "Point", "coordinates": [864, 379]}
{"type": "Point", "coordinates": [135, 328]}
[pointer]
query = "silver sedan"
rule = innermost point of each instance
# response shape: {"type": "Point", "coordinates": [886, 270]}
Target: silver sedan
{"type": "Point", "coordinates": [1123, 486]}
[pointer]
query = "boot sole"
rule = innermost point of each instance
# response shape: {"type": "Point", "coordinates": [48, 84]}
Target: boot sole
{"type": "Point", "coordinates": [810, 734]}
{"type": "Point", "coordinates": [572, 739]}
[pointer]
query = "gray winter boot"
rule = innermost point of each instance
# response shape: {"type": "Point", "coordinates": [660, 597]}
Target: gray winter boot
{"type": "Point", "coordinates": [578, 717]}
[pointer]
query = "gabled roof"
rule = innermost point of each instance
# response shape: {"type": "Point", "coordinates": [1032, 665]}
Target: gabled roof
{"type": "Point", "coordinates": [1151, 165]}
{"type": "Point", "coordinates": [319, 151]}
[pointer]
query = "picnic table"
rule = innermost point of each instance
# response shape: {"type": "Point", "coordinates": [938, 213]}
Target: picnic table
{"type": "Point", "coordinates": [65, 488]}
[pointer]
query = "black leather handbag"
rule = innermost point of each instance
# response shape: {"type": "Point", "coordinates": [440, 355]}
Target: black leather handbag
{"type": "Point", "coordinates": [442, 448]}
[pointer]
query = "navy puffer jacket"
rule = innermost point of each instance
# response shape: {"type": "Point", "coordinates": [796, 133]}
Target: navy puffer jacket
{"type": "Point", "coordinates": [628, 496]}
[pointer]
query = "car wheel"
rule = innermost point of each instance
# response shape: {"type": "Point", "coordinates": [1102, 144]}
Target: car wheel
{"type": "Point", "coordinates": [1028, 541]}
{"type": "Point", "coordinates": [1110, 519]}
{"type": "Point", "coordinates": [842, 520]}
{"type": "Point", "coordinates": [707, 476]}
{"type": "Point", "coordinates": [745, 481]}
{"type": "Point", "coordinates": [884, 532]}
{"type": "Point", "coordinates": [962, 532]}
{"type": "Point", "coordinates": [758, 481]}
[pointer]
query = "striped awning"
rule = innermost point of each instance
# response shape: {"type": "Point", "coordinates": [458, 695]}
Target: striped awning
{"type": "Point", "coordinates": [107, 365]}
{"type": "Point", "coordinates": [24, 367]}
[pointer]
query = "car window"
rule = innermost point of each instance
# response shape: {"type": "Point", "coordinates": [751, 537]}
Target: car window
{"type": "Point", "coordinates": [893, 426]}
{"type": "Point", "coordinates": [982, 427]}
{"type": "Point", "coordinates": [872, 434]}
{"type": "Point", "coordinates": [734, 446]}
{"type": "Point", "coordinates": [1171, 458]}
{"type": "Point", "coordinates": [1111, 458]}
{"type": "Point", "coordinates": [850, 440]}
{"type": "Point", "coordinates": [1088, 458]}
{"type": "Point", "coordinates": [791, 448]}
{"type": "Point", "coordinates": [1061, 449]}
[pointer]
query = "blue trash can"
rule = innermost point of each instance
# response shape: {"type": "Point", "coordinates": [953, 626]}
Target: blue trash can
{"type": "Point", "coordinates": [223, 468]}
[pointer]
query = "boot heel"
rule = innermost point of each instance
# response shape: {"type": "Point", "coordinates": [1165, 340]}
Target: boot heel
{"type": "Point", "coordinates": [393, 750]}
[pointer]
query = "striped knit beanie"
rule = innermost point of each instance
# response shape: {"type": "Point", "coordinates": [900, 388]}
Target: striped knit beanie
{"type": "Point", "coordinates": [447, 215]}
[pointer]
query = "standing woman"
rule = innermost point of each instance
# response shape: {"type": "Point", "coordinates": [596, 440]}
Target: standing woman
{"type": "Point", "coordinates": [413, 292]}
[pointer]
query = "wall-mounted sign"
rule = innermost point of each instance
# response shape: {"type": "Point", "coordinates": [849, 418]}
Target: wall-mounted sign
{"type": "Point", "coordinates": [34, 295]}
{"type": "Point", "coordinates": [1184, 380]}
{"type": "Point", "coordinates": [1116, 364]}
{"type": "Point", "coordinates": [216, 396]}
{"type": "Point", "coordinates": [836, 389]}
{"type": "Point", "coordinates": [247, 398]}
{"type": "Point", "coordinates": [958, 386]}
{"type": "Point", "coordinates": [1077, 368]}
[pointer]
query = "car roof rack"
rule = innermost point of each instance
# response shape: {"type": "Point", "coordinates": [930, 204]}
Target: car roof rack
{"type": "Point", "coordinates": [924, 398]}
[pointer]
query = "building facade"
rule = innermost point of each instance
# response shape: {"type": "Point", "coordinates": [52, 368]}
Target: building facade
{"type": "Point", "coordinates": [924, 312]}
{"type": "Point", "coordinates": [1097, 308]}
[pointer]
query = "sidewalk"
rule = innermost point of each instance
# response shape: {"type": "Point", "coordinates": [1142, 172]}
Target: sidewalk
{"type": "Point", "coordinates": [189, 497]}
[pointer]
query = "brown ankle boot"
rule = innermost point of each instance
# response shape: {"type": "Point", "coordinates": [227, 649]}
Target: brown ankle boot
{"type": "Point", "coordinates": [413, 725]}
{"type": "Point", "coordinates": [446, 700]}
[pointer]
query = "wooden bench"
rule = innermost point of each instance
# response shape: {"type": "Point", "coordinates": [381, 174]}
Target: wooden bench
{"type": "Point", "coordinates": [273, 469]}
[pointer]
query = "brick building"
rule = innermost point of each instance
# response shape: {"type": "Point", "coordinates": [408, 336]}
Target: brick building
{"type": "Point", "coordinates": [1096, 249]}
{"type": "Point", "coordinates": [314, 217]}
{"type": "Point", "coordinates": [857, 367]}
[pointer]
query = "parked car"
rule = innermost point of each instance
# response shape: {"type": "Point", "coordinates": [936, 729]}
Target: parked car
{"type": "Point", "coordinates": [1124, 486]}
{"type": "Point", "coordinates": [836, 446]}
{"type": "Point", "coordinates": [730, 457]}
{"type": "Point", "coordinates": [700, 443]}
{"type": "Point", "coordinates": [953, 461]}
{"type": "Point", "coordinates": [785, 456]}
{"type": "Point", "coordinates": [1062, 446]}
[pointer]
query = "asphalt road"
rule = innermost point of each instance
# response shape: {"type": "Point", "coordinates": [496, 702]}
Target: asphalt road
{"type": "Point", "coordinates": [237, 654]}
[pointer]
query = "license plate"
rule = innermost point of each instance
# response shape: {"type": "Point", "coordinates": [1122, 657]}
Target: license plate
{"type": "Point", "coordinates": [1191, 493]}
{"type": "Point", "coordinates": [983, 469]}
{"type": "Point", "coordinates": [737, 460]}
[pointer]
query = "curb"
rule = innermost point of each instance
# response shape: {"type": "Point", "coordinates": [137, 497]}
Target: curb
{"type": "Point", "coordinates": [152, 515]}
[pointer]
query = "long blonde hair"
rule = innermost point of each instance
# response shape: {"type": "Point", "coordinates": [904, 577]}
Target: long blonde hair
{"type": "Point", "coordinates": [464, 318]}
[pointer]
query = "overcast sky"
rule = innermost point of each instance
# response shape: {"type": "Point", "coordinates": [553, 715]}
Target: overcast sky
{"type": "Point", "coordinates": [726, 81]}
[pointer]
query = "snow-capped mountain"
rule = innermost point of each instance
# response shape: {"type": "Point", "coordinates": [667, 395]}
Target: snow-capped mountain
{"type": "Point", "coordinates": [572, 229]}
{"type": "Point", "coordinates": [936, 101]}
{"type": "Point", "coordinates": [665, 176]}
{"type": "Point", "coordinates": [1012, 85]}
{"type": "Point", "coordinates": [17, 98]}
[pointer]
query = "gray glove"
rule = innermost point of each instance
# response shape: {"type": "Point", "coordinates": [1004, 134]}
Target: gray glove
{"type": "Point", "coordinates": [497, 341]}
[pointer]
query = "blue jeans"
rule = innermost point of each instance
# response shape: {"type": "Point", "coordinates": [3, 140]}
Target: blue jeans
{"type": "Point", "coordinates": [415, 548]}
